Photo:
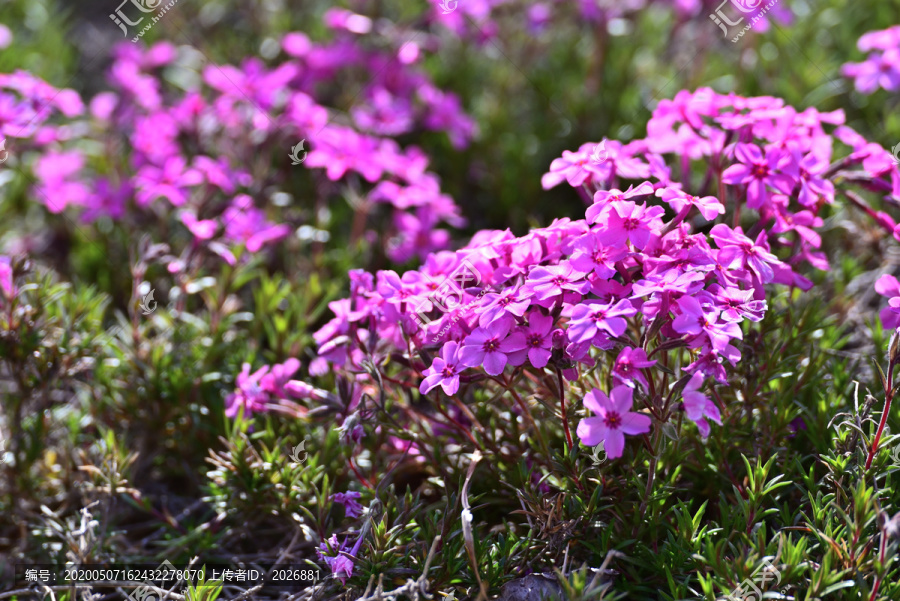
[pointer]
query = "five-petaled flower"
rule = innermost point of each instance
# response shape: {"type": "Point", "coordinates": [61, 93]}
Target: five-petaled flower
{"type": "Point", "coordinates": [612, 421]}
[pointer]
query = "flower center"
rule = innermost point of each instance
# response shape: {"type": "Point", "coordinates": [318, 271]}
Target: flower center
{"type": "Point", "coordinates": [598, 316]}
{"type": "Point", "coordinates": [535, 340]}
{"type": "Point", "coordinates": [613, 420]}
{"type": "Point", "coordinates": [491, 346]}
{"type": "Point", "coordinates": [631, 224]}
{"type": "Point", "coordinates": [448, 371]}
{"type": "Point", "coordinates": [760, 171]}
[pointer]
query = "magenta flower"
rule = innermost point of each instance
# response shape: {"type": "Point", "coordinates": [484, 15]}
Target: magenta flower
{"type": "Point", "coordinates": [878, 70]}
{"type": "Point", "coordinates": [808, 170]}
{"type": "Point", "coordinates": [698, 407]}
{"type": "Point", "coordinates": [536, 341]}
{"type": "Point", "coordinates": [550, 282]}
{"type": "Point", "coordinates": [352, 508]}
{"type": "Point", "coordinates": [887, 285]}
{"type": "Point", "coordinates": [249, 394]}
{"type": "Point", "coordinates": [737, 250]}
{"type": "Point", "coordinates": [737, 304]}
{"type": "Point", "coordinates": [592, 255]}
{"type": "Point", "coordinates": [573, 167]}
{"type": "Point", "coordinates": [696, 319]}
{"type": "Point", "coordinates": [490, 346]}
{"type": "Point", "coordinates": [7, 286]}
{"type": "Point", "coordinates": [626, 221]}
{"type": "Point", "coordinates": [512, 301]}
{"type": "Point", "coordinates": [592, 318]}
{"type": "Point", "coordinates": [756, 171]}
{"type": "Point", "coordinates": [247, 224]}
{"type": "Point", "coordinates": [202, 229]}
{"type": "Point", "coordinates": [613, 419]}
{"type": "Point", "coordinates": [629, 365]}
{"type": "Point", "coordinates": [170, 182]}
{"type": "Point", "coordinates": [709, 206]}
{"type": "Point", "coordinates": [444, 370]}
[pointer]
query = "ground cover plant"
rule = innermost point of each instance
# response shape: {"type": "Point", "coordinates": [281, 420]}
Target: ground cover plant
{"type": "Point", "coordinates": [473, 299]}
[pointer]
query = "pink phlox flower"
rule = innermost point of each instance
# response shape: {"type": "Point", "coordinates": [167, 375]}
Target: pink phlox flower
{"type": "Point", "coordinates": [57, 187]}
{"type": "Point", "coordinates": [384, 114]}
{"type": "Point", "coordinates": [697, 319]}
{"type": "Point", "coordinates": [756, 171]}
{"type": "Point", "coordinates": [592, 255]}
{"type": "Point", "coordinates": [737, 250]}
{"type": "Point", "coordinates": [807, 170]}
{"type": "Point", "coordinates": [613, 419]}
{"type": "Point", "coordinates": [602, 199]}
{"type": "Point", "coordinates": [201, 229]}
{"type": "Point", "coordinates": [444, 370]}
{"type": "Point", "coordinates": [698, 407]}
{"type": "Point", "coordinates": [536, 342]}
{"type": "Point", "coordinates": [625, 221]}
{"type": "Point", "coordinates": [249, 394]}
{"type": "Point", "coordinates": [352, 508]}
{"type": "Point", "coordinates": [887, 285]}
{"type": "Point", "coordinates": [246, 224]}
{"type": "Point", "coordinates": [169, 182]}
{"type": "Point", "coordinates": [491, 346]}
{"type": "Point", "coordinates": [629, 366]}
{"type": "Point", "coordinates": [590, 318]}
{"type": "Point", "coordinates": [708, 206]}
{"type": "Point", "coordinates": [552, 281]}
{"type": "Point", "coordinates": [737, 304]}
{"type": "Point", "coordinates": [509, 302]}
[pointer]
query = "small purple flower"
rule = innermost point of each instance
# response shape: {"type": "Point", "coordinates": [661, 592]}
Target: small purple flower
{"type": "Point", "coordinates": [593, 317]}
{"type": "Point", "coordinates": [756, 171]}
{"type": "Point", "coordinates": [536, 341]}
{"type": "Point", "coordinates": [626, 221]}
{"type": "Point", "coordinates": [550, 282]}
{"type": "Point", "coordinates": [696, 319]}
{"type": "Point", "coordinates": [629, 365]}
{"type": "Point", "coordinates": [613, 419]}
{"type": "Point", "coordinates": [887, 285]}
{"type": "Point", "coordinates": [352, 508]}
{"type": "Point", "coordinates": [698, 406]}
{"type": "Point", "coordinates": [490, 346]}
{"type": "Point", "coordinates": [444, 370]}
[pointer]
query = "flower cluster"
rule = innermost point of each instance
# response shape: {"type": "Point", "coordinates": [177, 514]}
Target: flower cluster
{"type": "Point", "coordinates": [270, 388]}
{"type": "Point", "coordinates": [651, 276]}
{"type": "Point", "coordinates": [207, 146]}
{"type": "Point", "coordinates": [477, 19]}
{"type": "Point", "coordinates": [881, 69]}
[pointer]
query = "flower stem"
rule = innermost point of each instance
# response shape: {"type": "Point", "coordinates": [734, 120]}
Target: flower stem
{"type": "Point", "coordinates": [562, 406]}
{"type": "Point", "coordinates": [888, 398]}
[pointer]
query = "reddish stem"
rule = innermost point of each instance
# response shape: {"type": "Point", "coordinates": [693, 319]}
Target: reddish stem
{"type": "Point", "coordinates": [888, 398]}
{"type": "Point", "coordinates": [562, 405]}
